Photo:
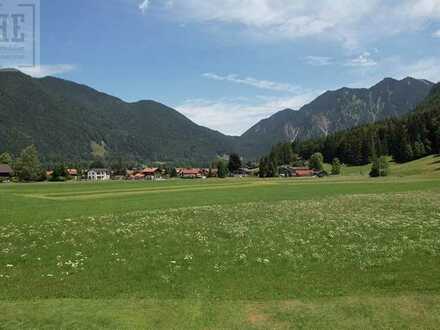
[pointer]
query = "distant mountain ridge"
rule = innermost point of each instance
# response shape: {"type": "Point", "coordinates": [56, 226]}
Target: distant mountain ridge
{"type": "Point", "coordinates": [70, 122]}
{"type": "Point", "coordinates": [73, 122]}
{"type": "Point", "coordinates": [337, 110]}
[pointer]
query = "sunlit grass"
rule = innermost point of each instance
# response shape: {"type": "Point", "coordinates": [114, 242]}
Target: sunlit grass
{"type": "Point", "coordinates": [275, 250]}
{"type": "Point", "coordinates": [346, 252]}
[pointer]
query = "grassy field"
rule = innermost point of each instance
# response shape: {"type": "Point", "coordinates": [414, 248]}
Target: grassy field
{"type": "Point", "coordinates": [345, 252]}
{"type": "Point", "coordinates": [429, 166]}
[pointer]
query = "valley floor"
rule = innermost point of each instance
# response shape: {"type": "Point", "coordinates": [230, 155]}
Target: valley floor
{"type": "Point", "coordinates": [347, 252]}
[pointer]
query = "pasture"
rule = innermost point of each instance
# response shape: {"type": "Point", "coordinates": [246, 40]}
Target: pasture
{"type": "Point", "coordinates": [346, 252]}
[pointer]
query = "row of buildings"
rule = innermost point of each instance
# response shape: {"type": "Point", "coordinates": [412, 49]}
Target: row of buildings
{"type": "Point", "coordinates": [151, 173]}
{"type": "Point", "coordinates": [155, 173]}
{"type": "Point", "coordinates": [103, 174]}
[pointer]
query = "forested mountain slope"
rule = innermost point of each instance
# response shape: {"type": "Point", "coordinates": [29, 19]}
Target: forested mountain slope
{"type": "Point", "coordinates": [407, 138]}
{"type": "Point", "coordinates": [337, 110]}
{"type": "Point", "coordinates": [72, 122]}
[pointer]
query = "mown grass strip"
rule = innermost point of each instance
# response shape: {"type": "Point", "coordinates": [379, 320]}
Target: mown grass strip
{"type": "Point", "coordinates": [403, 311]}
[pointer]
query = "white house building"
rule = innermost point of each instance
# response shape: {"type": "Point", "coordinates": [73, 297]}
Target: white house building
{"type": "Point", "coordinates": [98, 174]}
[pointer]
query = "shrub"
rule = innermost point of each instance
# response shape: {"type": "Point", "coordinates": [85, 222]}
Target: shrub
{"type": "Point", "coordinates": [317, 161]}
{"type": "Point", "coordinates": [380, 167]}
{"type": "Point", "coordinates": [336, 166]}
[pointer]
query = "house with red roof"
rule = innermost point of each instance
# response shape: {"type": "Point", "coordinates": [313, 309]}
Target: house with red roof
{"type": "Point", "coordinates": [152, 173]}
{"type": "Point", "coordinates": [190, 173]}
{"type": "Point", "coordinates": [291, 171]}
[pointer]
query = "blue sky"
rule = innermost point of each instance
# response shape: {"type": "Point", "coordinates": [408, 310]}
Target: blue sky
{"type": "Point", "coordinates": [226, 64]}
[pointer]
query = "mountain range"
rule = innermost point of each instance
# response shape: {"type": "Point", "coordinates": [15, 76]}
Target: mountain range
{"type": "Point", "coordinates": [335, 111]}
{"type": "Point", "coordinates": [72, 122]}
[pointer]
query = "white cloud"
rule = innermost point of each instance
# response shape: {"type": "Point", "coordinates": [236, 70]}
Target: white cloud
{"type": "Point", "coordinates": [396, 67]}
{"type": "Point", "coordinates": [425, 68]}
{"type": "Point", "coordinates": [143, 7]}
{"type": "Point", "coordinates": [348, 21]}
{"type": "Point", "coordinates": [436, 34]}
{"type": "Point", "coordinates": [47, 70]}
{"type": "Point", "coordinates": [235, 116]}
{"type": "Point", "coordinates": [363, 60]}
{"type": "Point", "coordinates": [318, 60]}
{"type": "Point", "coordinates": [249, 81]}
{"type": "Point", "coordinates": [422, 8]}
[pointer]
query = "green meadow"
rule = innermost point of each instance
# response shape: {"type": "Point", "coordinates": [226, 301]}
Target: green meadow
{"type": "Point", "coordinates": [335, 253]}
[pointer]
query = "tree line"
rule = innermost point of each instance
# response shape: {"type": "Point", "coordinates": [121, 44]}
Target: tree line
{"type": "Point", "coordinates": [27, 166]}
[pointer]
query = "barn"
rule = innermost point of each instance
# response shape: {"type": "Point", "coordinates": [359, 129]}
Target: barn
{"type": "Point", "coordinates": [6, 171]}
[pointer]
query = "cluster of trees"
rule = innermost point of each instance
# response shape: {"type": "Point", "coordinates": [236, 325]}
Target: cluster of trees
{"type": "Point", "coordinates": [284, 154]}
{"type": "Point", "coordinates": [225, 168]}
{"type": "Point", "coordinates": [59, 174]}
{"type": "Point", "coordinates": [27, 166]}
{"type": "Point", "coordinates": [281, 154]}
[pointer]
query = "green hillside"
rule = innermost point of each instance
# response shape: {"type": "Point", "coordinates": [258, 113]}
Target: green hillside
{"type": "Point", "coordinates": [64, 120]}
{"type": "Point", "coordinates": [427, 166]}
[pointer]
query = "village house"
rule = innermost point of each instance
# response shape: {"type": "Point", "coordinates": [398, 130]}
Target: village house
{"type": "Point", "coordinates": [152, 173]}
{"type": "Point", "coordinates": [145, 174]}
{"type": "Point", "coordinates": [190, 173]}
{"type": "Point", "coordinates": [304, 172]}
{"type": "Point", "coordinates": [5, 172]}
{"type": "Point", "coordinates": [137, 176]}
{"type": "Point", "coordinates": [98, 174]}
{"type": "Point", "coordinates": [73, 173]}
{"type": "Point", "coordinates": [291, 171]}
